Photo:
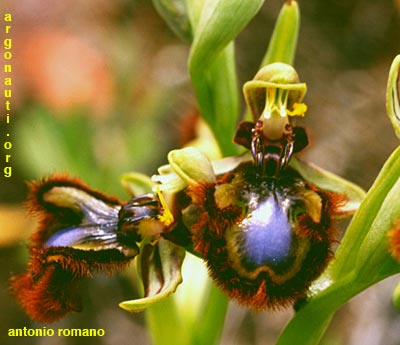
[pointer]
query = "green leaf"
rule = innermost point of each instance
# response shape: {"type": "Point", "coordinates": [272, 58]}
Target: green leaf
{"type": "Point", "coordinates": [373, 254]}
{"type": "Point", "coordinates": [365, 216]}
{"type": "Point", "coordinates": [212, 64]}
{"type": "Point", "coordinates": [393, 95]}
{"type": "Point", "coordinates": [217, 96]}
{"type": "Point", "coordinates": [220, 21]}
{"type": "Point", "coordinates": [361, 260]}
{"type": "Point", "coordinates": [311, 321]}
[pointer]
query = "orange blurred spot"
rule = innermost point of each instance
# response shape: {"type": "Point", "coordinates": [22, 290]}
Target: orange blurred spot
{"type": "Point", "coordinates": [64, 71]}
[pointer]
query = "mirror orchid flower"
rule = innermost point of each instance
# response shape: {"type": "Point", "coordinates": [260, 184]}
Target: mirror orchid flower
{"type": "Point", "coordinates": [263, 221]}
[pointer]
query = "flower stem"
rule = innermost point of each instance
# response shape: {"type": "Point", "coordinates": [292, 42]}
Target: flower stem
{"type": "Point", "coordinates": [164, 323]}
{"type": "Point", "coordinates": [211, 319]}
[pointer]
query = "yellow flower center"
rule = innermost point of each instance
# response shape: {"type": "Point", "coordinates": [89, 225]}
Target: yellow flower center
{"type": "Point", "coordinates": [275, 116]}
{"type": "Point", "coordinates": [166, 217]}
{"type": "Point", "coordinates": [276, 100]}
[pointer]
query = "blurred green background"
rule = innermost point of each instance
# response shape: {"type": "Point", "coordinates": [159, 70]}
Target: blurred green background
{"type": "Point", "coordinates": [101, 88]}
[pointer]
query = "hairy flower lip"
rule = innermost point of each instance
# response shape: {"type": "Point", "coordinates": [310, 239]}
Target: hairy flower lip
{"type": "Point", "coordinates": [260, 289]}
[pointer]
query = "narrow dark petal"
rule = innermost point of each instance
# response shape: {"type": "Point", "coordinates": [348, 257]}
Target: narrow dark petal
{"type": "Point", "coordinates": [61, 202]}
{"type": "Point", "coordinates": [300, 139]}
{"type": "Point", "coordinates": [85, 234]}
{"type": "Point", "coordinates": [243, 135]}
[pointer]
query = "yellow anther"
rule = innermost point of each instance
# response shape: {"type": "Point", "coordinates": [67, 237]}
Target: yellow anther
{"type": "Point", "coordinates": [166, 217]}
{"type": "Point", "coordinates": [299, 109]}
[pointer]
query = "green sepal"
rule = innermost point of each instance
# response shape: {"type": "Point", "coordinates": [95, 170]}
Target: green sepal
{"type": "Point", "coordinates": [191, 165]}
{"type": "Point", "coordinates": [186, 166]}
{"type": "Point", "coordinates": [283, 43]}
{"type": "Point", "coordinates": [136, 183]}
{"type": "Point", "coordinates": [393, 95]}
{"type": "Point", "coordinates": [224, 165]}
{"type": "Point", "coordinates": [330, 182]}
{"type": "Point", "coordinates": [160, 268]}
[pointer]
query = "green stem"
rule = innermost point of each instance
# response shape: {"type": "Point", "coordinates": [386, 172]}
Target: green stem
{"type": "Point", "coordinates": [211, 320]}
{"type": "Point", "coordinates": [165, 324]}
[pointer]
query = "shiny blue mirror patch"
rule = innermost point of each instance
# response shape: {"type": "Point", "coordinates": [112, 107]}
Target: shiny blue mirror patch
{"type": "Point", "coordinates": [266, 232]}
